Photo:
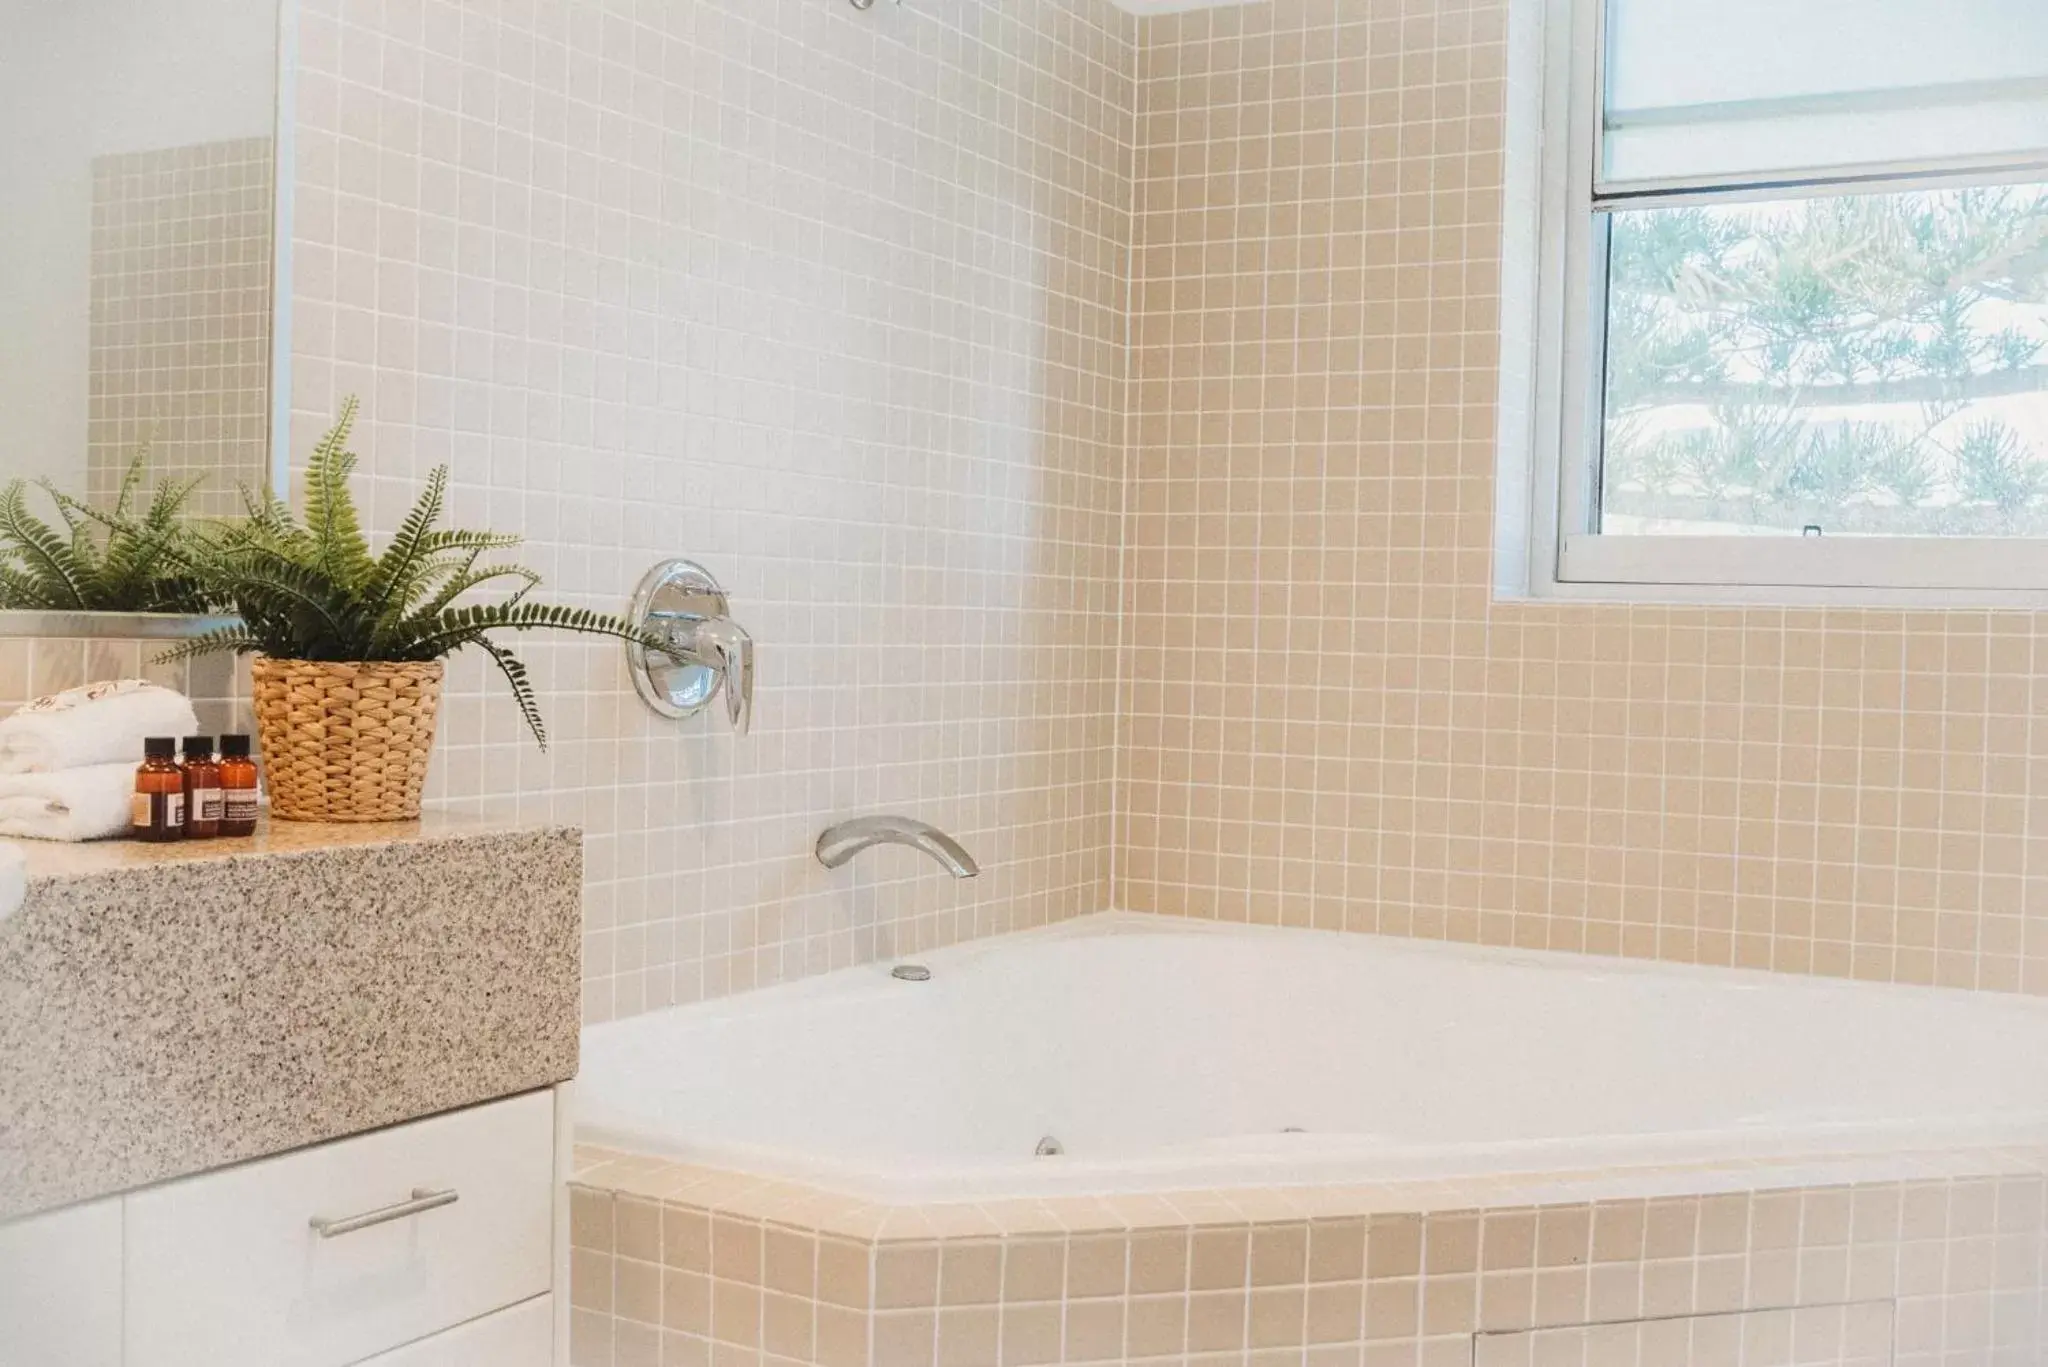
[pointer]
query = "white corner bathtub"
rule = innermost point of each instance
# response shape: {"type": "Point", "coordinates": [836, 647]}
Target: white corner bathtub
{"type": "Point", "coordinates": [1169, 1055]}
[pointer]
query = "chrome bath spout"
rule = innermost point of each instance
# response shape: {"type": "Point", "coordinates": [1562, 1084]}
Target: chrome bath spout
{"type": "Point", "coordinates": [842, 842]}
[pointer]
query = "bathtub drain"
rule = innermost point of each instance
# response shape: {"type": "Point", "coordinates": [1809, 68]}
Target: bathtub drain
{"type": "Point", "coordinates": [1050, 1147]}
{"type": "Point", "coordinates": [911, 973]}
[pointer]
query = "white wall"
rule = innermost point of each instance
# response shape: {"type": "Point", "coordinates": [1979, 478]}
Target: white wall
{"type": "Point", "coordinates": [81, 79]}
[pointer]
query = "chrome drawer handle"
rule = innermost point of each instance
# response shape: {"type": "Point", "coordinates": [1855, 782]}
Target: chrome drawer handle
{"type": "Point", "coordinates": [422, 1201]}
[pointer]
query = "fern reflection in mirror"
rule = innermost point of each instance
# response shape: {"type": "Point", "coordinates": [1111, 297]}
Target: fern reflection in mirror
{"type": "Point", "coordinates": [311, 589]}
{"type": "Point", "coordinates": [100, 561]}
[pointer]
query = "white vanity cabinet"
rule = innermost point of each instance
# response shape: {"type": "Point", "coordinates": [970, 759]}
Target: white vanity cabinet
{"type": "Point", "coordinates": [520, 1337]}
{"type": "Point", "coordinates": [429, 1244]}
{"type": "Point", "coordinates": [60, 1288]}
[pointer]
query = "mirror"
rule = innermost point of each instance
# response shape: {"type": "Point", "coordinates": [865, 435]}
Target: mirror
{"type": "Point", "coordinates": [141, 242]}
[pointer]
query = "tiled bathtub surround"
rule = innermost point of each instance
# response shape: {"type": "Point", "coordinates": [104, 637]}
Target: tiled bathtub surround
{"type": "Point", "coordinates": [1328, 718]}
{"type": "Point", "coordinates": [832, 301]}
{"type": "Point", "coordinates": [673, 1266]}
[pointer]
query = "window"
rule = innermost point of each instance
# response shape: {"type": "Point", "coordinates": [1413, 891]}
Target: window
{"type": "Point", "coordinates": [1790, 298]}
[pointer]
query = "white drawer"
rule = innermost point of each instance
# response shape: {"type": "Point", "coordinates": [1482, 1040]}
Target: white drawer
{"type": "Point", "coordinates": [227, 1270]}
{"type": "Point", "coordinates": [523, 1336]}
{"type": "Point", "coordinates": [60, 1288]}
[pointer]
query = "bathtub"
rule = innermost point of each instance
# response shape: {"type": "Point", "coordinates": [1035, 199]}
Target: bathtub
{"type": "Point", "coordinates": [1125, 1054]}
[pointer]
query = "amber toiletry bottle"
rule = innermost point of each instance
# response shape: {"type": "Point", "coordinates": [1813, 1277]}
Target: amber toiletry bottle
{"type": "Point", "coordinates": [237, 787]}
{"type": "Point", "coordinates": [202, 789]}
{"type": "Point", "coordinates": [159, 803]}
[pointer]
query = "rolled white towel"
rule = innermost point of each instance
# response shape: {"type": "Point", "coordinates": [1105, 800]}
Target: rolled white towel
{"type": "Point", "coordinates": [98, 724]}
{"type": "Point", "coordinates": [13, 879]}
{"type": "Point", "coordinates": [74, 804]}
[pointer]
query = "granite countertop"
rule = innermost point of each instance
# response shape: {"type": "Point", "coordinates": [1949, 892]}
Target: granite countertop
{"type": "Point", "coordinates": [49, 859]}
{"type": "Point", "coordinates": [167, 1009]}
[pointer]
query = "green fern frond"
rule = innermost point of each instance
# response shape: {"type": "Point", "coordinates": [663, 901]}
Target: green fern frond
{"type": "Point", "coordinates": [396, 581]}
{"type": "Point", "coordinates": [167, 504]}
{"type": "Point", "coordinates": [44, 554]}
{"type": "Point", "coordinates": [77, 517]}
{"type": "Point", "coordinates": [515, 674]}
{"type": "Point", "coordinates": [238, 639]}
{"type": "Point", "coordinates": [469, 578]}
{"type": "Point", "coordinates": [441, 542]}
{"type": "Point", "coordinates": [86, 566]}
{"type": "Point", "coordinates": [458, 627]}
{"type": "Point", "coordinates": [265, 514]}
{"type": "Point", "coordinates": [132, 480]}
{"type": "Point", "coordinates": [19, 589]}
{"type": "Point", "coordinates": [331, 517]}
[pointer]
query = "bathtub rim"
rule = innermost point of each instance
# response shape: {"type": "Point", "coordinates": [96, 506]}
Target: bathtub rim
{"type": "Point", "coordinates": [872, 979]}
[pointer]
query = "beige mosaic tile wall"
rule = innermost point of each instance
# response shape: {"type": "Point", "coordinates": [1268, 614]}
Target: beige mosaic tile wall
{"type": "Point", "coordinates": [832, 301]}
{"type": "Point", "coordinates": [181, 319]}
{"type": "Point", "coordinates": [1328, 719]}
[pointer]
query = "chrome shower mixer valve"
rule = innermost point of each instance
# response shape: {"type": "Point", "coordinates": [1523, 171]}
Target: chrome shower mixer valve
{"type": "Point", "coordinates": [709, 653]}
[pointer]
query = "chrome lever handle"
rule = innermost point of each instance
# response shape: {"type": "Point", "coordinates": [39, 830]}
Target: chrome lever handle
{"type": "Point", "coordinates": [739, 681]}
{"type": "Point", "coordinates": [726, 646]}
{"type": "Point", "coordinates": [423, 1200]}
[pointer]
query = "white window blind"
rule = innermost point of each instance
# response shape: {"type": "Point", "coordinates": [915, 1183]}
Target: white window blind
{"type": "Point", "coordinates": [1751, 91]}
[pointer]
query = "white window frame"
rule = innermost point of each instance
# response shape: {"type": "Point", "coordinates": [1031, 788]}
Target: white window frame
{"type": "Point", "coordinates": [1553, 371]}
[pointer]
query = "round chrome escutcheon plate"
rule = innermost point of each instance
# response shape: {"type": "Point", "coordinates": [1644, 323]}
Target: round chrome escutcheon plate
{"type": "Point", "coordinates": [673, 594]}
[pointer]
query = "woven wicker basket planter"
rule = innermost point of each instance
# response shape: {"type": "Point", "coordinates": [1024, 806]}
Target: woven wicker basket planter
{"type": "Point", "coordinates": [345, 742]}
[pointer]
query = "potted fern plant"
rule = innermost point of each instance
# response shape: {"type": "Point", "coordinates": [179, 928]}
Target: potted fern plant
{"type": "Point", "coordinates": [348, 644]}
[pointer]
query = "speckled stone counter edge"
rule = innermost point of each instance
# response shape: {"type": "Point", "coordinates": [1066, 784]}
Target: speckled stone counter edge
{"type": "Point", "coordinates": [163, 1016]}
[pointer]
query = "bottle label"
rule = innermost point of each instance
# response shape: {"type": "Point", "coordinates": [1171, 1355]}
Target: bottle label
{"type": "Point", "coordinates": [240, 804]}
{"type": "Point", "coordinates": [206, 804]}
{"type": "Point", "coordinates": [157, 812]}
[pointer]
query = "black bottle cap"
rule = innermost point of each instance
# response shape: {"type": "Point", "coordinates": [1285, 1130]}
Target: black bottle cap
{"type": "Point", "coordinates": [199, 747]}
{"type": "Point", "coordinates": [160, 747]}
{"type": "Point", "coordinates": [234, 747]}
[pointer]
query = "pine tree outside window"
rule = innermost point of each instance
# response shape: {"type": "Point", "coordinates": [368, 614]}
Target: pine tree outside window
{"type": "Point", "coordinates": [1783, 269]}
